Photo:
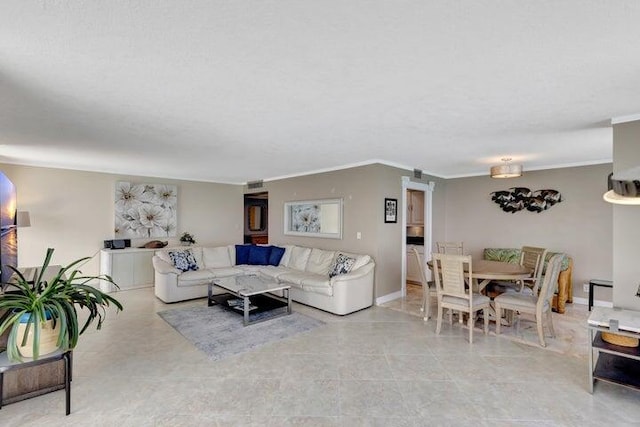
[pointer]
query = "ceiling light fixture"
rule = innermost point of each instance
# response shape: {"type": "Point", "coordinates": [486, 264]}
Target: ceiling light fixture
{"type": "Point", "coordinates": [624, 187]}
{"type": "Point", "coordinates": [506, 170]}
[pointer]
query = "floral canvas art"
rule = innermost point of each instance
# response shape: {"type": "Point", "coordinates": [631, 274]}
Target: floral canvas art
{"type": "Point", "coordinates": [314, 218]}
{"type": "Point", "coordinates": [305, 218]}
{"type": "Point", "coordinates": [145, 210]}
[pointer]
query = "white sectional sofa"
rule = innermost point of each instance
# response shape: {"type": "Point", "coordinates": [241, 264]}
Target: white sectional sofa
{"type": "Point", "coordinates": [305, 269]}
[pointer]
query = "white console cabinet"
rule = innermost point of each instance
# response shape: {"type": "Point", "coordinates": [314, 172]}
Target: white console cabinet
{"type": "Point", "coordinates": [130, 268]}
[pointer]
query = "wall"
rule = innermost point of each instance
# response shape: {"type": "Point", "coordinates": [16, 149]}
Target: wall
{"type": "Point", "coordinates": [363, 190]}
{"type": "Point", "coordinates": [73, 212]}
{"type": "Point", "coordinates": [580, 225]}
{"type": "Point", "coordinates": [626, 233]}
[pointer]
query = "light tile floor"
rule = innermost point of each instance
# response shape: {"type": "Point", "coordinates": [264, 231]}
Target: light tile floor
{"type": "Point", "coordinates": [377, 367]}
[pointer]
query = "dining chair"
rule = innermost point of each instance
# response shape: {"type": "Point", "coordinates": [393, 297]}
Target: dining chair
{"type": "Point", "coordinates": [532, 258]}
{"type": "Point", "coordinates": [428, 287]}
{"type": "Point", "coordinates": [454, 248]}
{"type": "Point", "coordinates": [538, 304]}
{"type": "Point", "coordinates": [449, 273]}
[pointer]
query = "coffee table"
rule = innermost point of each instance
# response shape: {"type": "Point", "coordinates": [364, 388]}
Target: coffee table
{"type": "Point", "coordinates": [254, 286]}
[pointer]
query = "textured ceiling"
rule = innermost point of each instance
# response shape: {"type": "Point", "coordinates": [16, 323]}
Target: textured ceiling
{"type": "Point", "coordinates": [233, 91]}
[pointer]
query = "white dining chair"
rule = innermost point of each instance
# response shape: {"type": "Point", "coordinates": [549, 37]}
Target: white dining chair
{"type": "Point", "coordinates": [449, 273]}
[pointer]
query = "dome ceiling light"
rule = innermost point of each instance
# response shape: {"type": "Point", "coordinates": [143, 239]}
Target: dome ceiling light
{"type": "Point", "coordinates": [507, 170]}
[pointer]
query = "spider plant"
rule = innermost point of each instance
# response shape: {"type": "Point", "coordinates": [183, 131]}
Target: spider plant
{"type": "Point", "coordinates": [56, 298]}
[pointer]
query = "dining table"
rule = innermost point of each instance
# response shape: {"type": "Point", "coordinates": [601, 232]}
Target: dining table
{"type": "Point", "coordinates": [484, 271]}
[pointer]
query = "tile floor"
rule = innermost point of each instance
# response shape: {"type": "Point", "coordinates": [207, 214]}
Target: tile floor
{"type": "Point", "coordinates": [377, 367]}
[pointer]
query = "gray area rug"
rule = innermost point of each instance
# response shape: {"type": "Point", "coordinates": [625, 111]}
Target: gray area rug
{"type": "Point", "coordinates": [219, 333]}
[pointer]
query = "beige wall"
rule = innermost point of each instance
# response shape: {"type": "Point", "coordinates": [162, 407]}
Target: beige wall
{"type": "Point", "coordinates": [580, 225]}
{"type": "Point", "coordinates": [363, 190]}
{"type": "Point", "coordinates": [73, 212]}
{"type": "Point", "coordinates": [626, 231]}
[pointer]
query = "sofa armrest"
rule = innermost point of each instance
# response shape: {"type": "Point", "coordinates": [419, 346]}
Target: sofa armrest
{"type": "Point", "coordinates": [354, 275]}
{"type": "Point", "coordinates": [163, 267]}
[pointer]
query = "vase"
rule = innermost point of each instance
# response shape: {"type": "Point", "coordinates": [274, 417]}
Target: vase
{"type": "Point", "coordinates": [48, 338]}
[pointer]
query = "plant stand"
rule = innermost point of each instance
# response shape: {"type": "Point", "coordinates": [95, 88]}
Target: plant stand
{"type": "Point", "coordinates": [66, 356]}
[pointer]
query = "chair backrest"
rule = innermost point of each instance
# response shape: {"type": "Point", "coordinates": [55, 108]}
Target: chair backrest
{"type": "Point", "coordinates": [550, 279]}
{"type": "Point", "coordinates": [454, 248]}
{"type": "Point", "coordinates": [449, 273]}
{"type": "Point", "coordinates": [533, 258]}
{"type": "Point", "coordinates": [421, 265]}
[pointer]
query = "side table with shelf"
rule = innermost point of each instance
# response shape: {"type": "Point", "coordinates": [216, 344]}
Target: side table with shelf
{"type": "Point", "coordinates": [615, 364]}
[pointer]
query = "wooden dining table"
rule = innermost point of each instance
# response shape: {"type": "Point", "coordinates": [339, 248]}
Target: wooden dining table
{"type": "Point", "coordinates": [484, 271]}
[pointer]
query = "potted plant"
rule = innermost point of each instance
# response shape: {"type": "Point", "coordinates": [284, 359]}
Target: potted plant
{"type": "Point", "coordinates": [187, 239]}
{"type": "Point", "coordinates": [35, 307]}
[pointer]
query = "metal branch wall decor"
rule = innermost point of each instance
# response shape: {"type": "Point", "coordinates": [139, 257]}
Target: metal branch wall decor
{"type": "Point", "coordinates": [520, 198]}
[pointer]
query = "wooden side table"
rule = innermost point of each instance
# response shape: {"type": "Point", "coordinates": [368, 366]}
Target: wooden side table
{"type": "Point", "coordinates": [6, 365]}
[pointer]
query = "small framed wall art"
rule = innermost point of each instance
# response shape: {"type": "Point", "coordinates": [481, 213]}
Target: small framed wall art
{"type": "Point", "coordinates": [390, 210]}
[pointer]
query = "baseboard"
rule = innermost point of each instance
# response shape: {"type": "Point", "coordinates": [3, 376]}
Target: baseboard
{"type": "Point", "coordinates": [596, 303]}
{"type": "Point", "coordinates": [389, 297]}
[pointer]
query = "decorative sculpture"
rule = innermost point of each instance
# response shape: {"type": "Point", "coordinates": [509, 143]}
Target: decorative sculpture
{"type": "Point", "coordinates": [519, 198]}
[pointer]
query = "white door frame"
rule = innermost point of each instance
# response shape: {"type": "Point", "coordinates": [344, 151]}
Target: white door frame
{"type": "Point", "coordinates": [407, 184]}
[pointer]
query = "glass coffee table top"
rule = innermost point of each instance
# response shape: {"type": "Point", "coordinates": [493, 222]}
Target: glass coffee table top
{"type": "Point", "coordinates": [249, 285]}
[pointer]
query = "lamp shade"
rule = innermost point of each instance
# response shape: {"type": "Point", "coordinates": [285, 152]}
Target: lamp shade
{"type": "Point", "coordinates": [23, 219]}
{"type": "Point", "coordinates": [625, 188]}
{"type": "Point", "coordinates": [506, 170]}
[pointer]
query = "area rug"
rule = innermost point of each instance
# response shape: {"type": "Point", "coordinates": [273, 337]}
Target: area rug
{"type": "Point", "coordinates": [219, 333]}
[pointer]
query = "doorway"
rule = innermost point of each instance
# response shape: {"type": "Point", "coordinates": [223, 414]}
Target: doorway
{"type": "Point", "coordinates": [416, 228]}
{"type": "Point", "coordinates": [256, 218]}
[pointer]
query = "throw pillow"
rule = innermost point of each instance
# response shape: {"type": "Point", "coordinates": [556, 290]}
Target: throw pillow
{"type": "Point", "coordinates": [259, 255]}
{"type": "Point", "coordinates": [276, 255]}
{"type": "Point", "coordinates": [242, 254]}
{"type": "Point", "coordinates": [183, 260]}
{"type": "Point", "coordinates": [342, 265]}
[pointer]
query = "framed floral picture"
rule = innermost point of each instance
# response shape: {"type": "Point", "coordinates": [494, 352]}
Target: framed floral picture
{"type": "Point", "coordinates": [314, 218]}
{"type": "Point", "coordinates": [145, 210]}
{"type": "Point", "coordinates": [390, 210]}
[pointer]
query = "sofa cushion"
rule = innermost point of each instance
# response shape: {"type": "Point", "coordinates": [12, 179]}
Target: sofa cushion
{"type": "Point", "coordinates": [361, 260]}
{"type": "Point", "coordinates": [342, 265]}
{"type": "Point", "coordinates": [502, 254]}
{"type": "Point", "coordinates": [318, 282]}
{"type": "Point", "coordinates": [299, 257]}
{"type": "Point", "coordinates": [320, 261]}
{"type": "Point", "coordinates": [183, 260]}
{"type": "Point", "coordinates": [276, 255]}
{"type": "Point", "coordinates": [323, 290]}
{"type": "Point", "coordinates": [192, 278]}
{"type": "Point", "coordinates": [284, 261]}
{"type": "Point", "coordinates": [216, 257]}
{"type": "Point", "coordinates": [224, 272]}
{"type": "Point", "coordinates": [274, 272]}
{"type": "Point", "coordinates": [242, 254]}
{"type": "Point", "coordinates": [549, 255]}
{"type": "Point", "coordinates": [295, 277]}
{"type": "Point", "coordinates": [259, 255]}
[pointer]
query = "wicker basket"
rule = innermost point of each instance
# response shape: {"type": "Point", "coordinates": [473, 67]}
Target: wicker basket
{"type": "Point", "coordinates": [620, 340]}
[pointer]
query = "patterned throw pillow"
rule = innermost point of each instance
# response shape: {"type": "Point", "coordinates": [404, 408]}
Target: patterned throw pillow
{"type": "Point", "coordinates": [183, 260]}
{"type": "Point", "coordinates": [342, 265]}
